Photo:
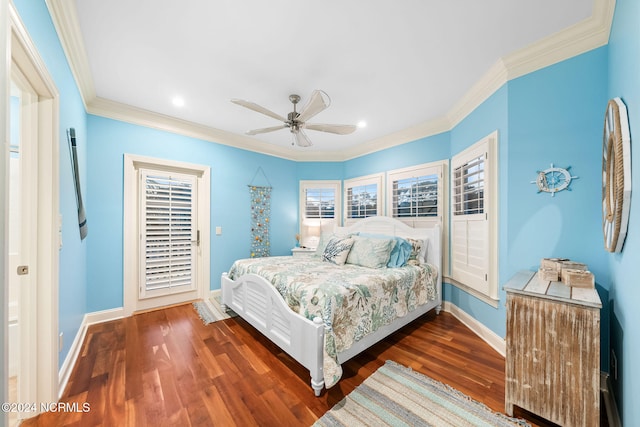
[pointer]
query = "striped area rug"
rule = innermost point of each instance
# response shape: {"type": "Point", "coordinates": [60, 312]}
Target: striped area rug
{"type": "Point", "coordinates": [210, 311]}
{"type": "Point", "coordinates": [398, 396]}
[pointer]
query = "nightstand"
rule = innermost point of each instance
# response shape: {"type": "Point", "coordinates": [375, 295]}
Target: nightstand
{"type": "Point", "coordinates": [302, 252]}
{"type": "Point", "coordinates": [553, 350]}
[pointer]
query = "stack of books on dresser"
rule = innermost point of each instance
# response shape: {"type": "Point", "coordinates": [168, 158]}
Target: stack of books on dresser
{"type": "Point", "coordinates": [569, 272]}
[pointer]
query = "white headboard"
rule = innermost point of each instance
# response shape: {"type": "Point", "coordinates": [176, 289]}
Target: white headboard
{"type": "Point", "coordinates": [392, 227]}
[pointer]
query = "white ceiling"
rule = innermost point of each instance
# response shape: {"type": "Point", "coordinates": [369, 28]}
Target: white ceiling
{"type": "Point", "coordinates": [398, 65]}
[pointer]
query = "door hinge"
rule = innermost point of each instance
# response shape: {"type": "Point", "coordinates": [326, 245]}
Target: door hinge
{"type": "Point", "coordinates": [197, 241]}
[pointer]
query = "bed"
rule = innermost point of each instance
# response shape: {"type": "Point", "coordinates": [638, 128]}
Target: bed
{"type": "Point", "coordinates": [321, 335]}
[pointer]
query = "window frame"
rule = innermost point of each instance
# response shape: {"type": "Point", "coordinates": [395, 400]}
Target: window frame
{"type": "Point", "coordinates": [373, 179]}
{"type": "Point", "coordinates": [434, 168]}
{"type": "Point", "coordinates": [484, 224]}
{"type": "Point", "coordinates": [310, 229]}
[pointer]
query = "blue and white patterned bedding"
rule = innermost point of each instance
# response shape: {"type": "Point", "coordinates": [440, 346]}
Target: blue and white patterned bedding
{"type": "Point", "coordinates": [353, 301]}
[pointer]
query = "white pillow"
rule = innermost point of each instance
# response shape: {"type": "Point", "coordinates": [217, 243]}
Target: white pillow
{"type": "Point", "coordinates": [418, 251]}
{"type": "Point", "coordinates": [337, 250]}
{"type": "Point", "coordinates": [370, 252]}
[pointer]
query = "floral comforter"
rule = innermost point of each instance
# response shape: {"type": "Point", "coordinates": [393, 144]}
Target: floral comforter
{"type": "Point", "coordinates": [353, 301]}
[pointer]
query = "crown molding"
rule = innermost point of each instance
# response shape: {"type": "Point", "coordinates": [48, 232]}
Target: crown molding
{"type": "Point", "coordinates": [65, 20]}
{"type": "Point", "coordinates": [488, 84]}
{"type": "Point", "coordinates": [582, 37]}
{"type": "Point", "coordinates": [428, 128]}
{"type": "Point", "coordinates": [577, 39]}
{"type": "Point", "coordinates": [138, 116]}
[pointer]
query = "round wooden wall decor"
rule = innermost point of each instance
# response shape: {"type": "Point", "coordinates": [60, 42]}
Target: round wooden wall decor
{"type": "Point", "coordinates": [616, 175]}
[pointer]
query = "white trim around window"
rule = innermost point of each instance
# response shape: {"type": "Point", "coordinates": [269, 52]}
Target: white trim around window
{"type": "Point", "coordinates": [320, 208]}
{"type": "Point", "coordinates": [474, 218]}
{"type": "Point", "coordinates": [416, 194]}
{"type": "Point", "coordinates": [363, 197]}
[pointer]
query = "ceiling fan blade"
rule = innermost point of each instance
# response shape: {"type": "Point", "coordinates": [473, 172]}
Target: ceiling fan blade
{"type": "Point", "coordinates": [265, 130]}
{"type": "Point", "coordinates": [302, 139]}
{"type": "Point", "coordinates": [260, 109]}
{"type": "Point", "coordinates": [319, 101]}
{"type": "Point", "coordinates": [337, 129]}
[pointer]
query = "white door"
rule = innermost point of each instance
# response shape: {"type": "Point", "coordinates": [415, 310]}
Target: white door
{"type": "Point", "coordinates": [166, 228]}
{"type": "Point", "coordinates": [22, 225]}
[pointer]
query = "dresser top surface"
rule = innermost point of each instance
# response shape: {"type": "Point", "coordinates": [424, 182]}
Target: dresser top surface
{"type": "Point", "coordinates": [529, 283]}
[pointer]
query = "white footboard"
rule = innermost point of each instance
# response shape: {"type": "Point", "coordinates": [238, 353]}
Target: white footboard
{"type": "Point", "coordinates": [260, 304]}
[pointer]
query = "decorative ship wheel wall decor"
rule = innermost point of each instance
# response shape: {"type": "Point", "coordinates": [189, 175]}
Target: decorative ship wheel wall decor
{"type": "Point", "coordinates": [554, 179]}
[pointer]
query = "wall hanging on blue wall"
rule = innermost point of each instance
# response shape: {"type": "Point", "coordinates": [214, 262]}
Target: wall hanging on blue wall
{"type": "Point", "coordinates": [553, 179]}
{"type": "Point", "coordinates": [82, 219]}
{"type": "Point", "coordinates": [260, 217]}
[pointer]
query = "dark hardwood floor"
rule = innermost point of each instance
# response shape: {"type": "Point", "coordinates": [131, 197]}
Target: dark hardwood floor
{"type": "Point", "coordinates": [165, 368]}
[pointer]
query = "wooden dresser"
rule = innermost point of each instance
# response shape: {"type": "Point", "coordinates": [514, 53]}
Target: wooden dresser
{"type": "Point", "coordinates": [553, 350]}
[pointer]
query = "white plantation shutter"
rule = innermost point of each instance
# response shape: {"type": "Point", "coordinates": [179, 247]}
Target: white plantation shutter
{"type": "Point", "coordinates": [473, 218]}
{"type": "Point", "coordinates": [168, 233]}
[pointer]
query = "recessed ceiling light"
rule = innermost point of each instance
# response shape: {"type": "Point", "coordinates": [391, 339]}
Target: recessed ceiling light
{"type": "Point", "coordinates": [362, 124]}
{"type": "Point", "coordinates": [178, 102]}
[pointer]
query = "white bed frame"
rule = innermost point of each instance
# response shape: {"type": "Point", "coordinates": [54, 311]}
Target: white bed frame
{"type": "Point", "coordinates": [258, 302]}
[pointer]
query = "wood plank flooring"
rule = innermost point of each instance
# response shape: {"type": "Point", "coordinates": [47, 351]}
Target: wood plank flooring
{"type": "Point", "coordinates": [165, 368]}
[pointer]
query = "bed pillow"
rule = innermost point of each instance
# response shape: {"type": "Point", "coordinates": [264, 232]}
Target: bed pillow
{"type": "Point", "coordinates": [324, 239]}
{"type": "Point", "coordinates": [418, 251]}
{"type": "Point", "coordinates": [337, 250]}
{"type": "Point", "coordinates": [400, 251]}
{"type": "Point", "coordinates": [370, 252]}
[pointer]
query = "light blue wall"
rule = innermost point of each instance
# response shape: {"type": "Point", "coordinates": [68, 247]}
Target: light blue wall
{"type": "Point", "coordinates": [555, 116]}
{"type": "Point", "coordinates": [424, 150]}
{"type": "Point", "coordinates": [319, 170]}
{"type": "Point", "coordinates": [232, 170]}
{"type": "Point", "coordinates": [73, 271]}
{"type": "Point", "coordinates": [624, 268]}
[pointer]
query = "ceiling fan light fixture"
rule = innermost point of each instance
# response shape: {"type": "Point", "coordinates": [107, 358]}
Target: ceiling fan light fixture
{"type": "Point", "coordinates": [296, 121]}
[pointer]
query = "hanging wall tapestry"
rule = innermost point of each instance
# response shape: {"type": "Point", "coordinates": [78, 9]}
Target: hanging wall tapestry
{"type": "Point", "coordinates": [260, 218]}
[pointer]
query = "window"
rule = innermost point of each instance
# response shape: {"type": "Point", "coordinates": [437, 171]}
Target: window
{"type": "Point", "coordinates": [474, 217]}
{"type": "Point", "coordinates": [363, 197]}
{"type": "Point", "coordinates": [319, 203]}
{"type": "Point", "coordinates": [415, 194]}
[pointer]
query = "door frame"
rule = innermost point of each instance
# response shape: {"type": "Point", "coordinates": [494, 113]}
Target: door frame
{"type": "Point", "coordinates": [131, 233]}
{"type": "Point", "coordinates": [19, 49]}
{"type": "Point", "coordinates": [27, 315]}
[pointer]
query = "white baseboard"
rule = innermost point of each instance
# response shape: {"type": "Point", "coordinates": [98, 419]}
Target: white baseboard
{"type": "Point", "coordinates": [72, 357]}
{"type": "Point", "coordinates": [494, 340]}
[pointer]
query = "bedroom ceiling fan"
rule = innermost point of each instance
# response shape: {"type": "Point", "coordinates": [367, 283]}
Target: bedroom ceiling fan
{"type": "Point", "coordinates": [297, 121]}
